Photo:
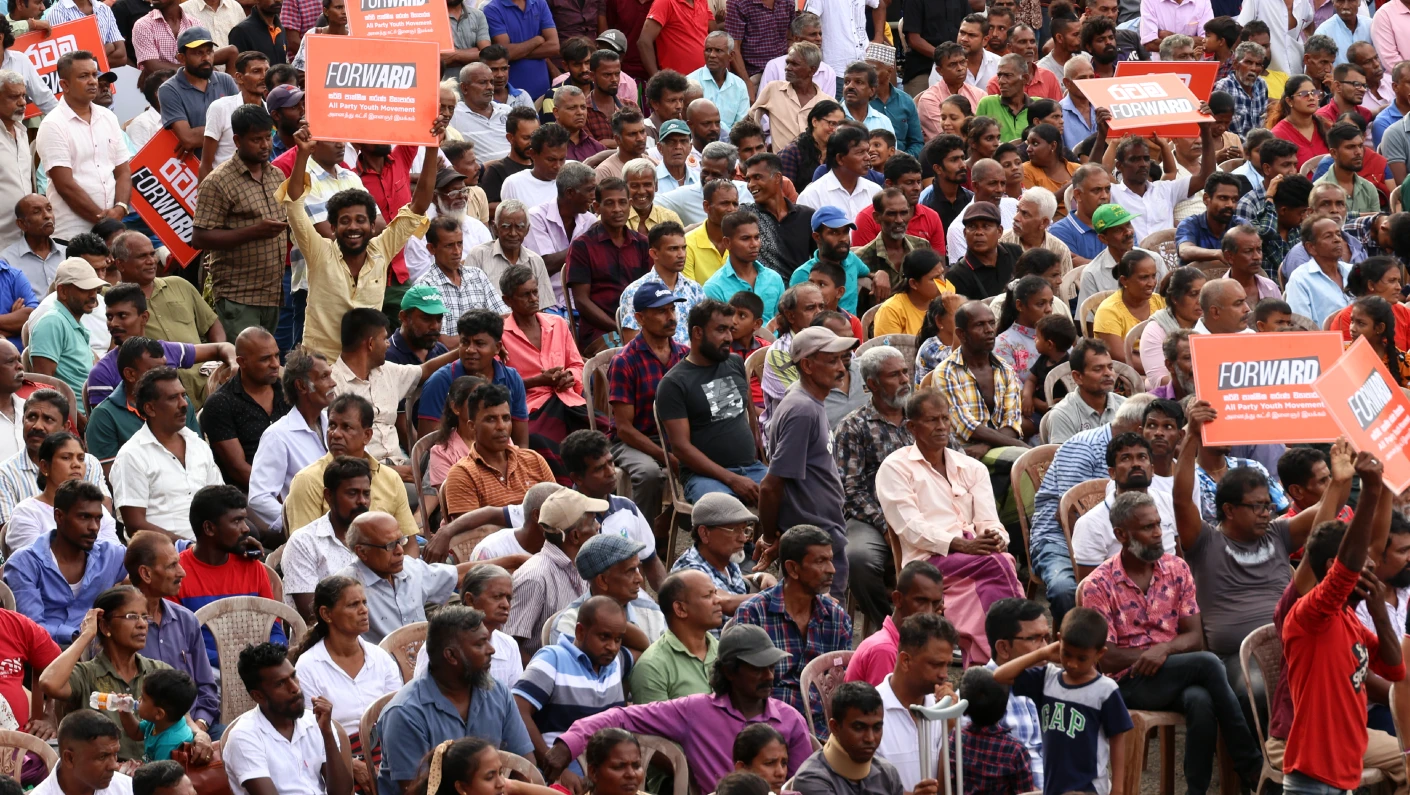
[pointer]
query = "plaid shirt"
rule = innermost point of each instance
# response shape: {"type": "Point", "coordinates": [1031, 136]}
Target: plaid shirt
{"type": "Point", "coordinates": [967, 408]}
{"type": "Point", "coordinates": [1208, 487]}
{"type": "Point", "coordinates": [606, 268]}
{"type": "Point", "coordinates": [1136, 618]}
{"type": "Point", "coordinates": [1263, 216]}
{"type": "Point", "coordinates": [762, 33]}
{"type": "Point", "coordinates": [1022, 721]}
{"type": "Point", "coordinates": [861, 442]}
{"type": "Point", "coordinates": [475, 292]}
{"type": "Point", "coordinates": [794, 168]}
{"type": "Point", "coordinates": [685, 288]}
{"type": "Point", "coordinates": [729, 581]}
{"type": "Point", "coordinates": [1226, 69]}
{"type": "Point", "coordinates": [300, 15]}
{"type": "Point", "coordinates": [994, 762]}
{"type": "Point", "coordinates": [252, 273]}
{"type": "Point", "coordinates": [829, 629]}
{"type": "Point", "coordinates": [152, 39]}
{"type": "Point", "coordinates": [632, 378]}
{"type": "Point", "coordinates": [1249, 107]}
{"type": "Point", "coordinates": [599, 124]}
{"type": "Point", "coordinates": [1362, 229]}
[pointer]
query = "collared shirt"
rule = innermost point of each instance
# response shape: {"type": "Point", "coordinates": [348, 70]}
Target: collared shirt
{"type": "Point", "coordinates": [399, 350]}
{"type": "Point", "coordinates": [1073, 415]}
{"type": "Point", "coordinates": [1208, 488]}
{"type": "Point", "coordinates": [232, 414]}
{"type": "Point", "coordinates": [786, 112]}
{"type": "Point", "coordinates": [305, 502]}
{"type": "Point", "coordinates": [667, 670]}
{"type": "Point", "coordinates": [595, 260]}
{"type": "Point", "coordinates": [732, 99]}
{"type": "Point", "coordinates": [1076, 126]}
{"type": "Point", "coordinates": [688, 201]}
{"type": "Point", "coordinates": [467, 31]}
{"type": "Point", "coordinates": [312, 554]}
{"type": "Point", "coordinates": [45, 596]}
{"type": "Point", "coordinates": [254, 34]}
{"type": "Point", "coordinates": [231, 198]}
{"type": "Point", "coordinates": [729, 581]}
{"type": "Point", "coordinates": [995, 761]}
{"type": "Point", "coordinates": [784, 243]}
{"type": "Point", "coordinates": [968, 408]}
{"type": "Point", "coordinates": [586, 146]}
{"type": "Point", "coordinates": [1081, 239]}
{"type": "Point", "coordinates": [875, 657]}
{"type": "Point", "coordinates": [254, 749]}
{"type": "Point", "coordinates": [319, 676]}
{"type": "Point", "coordinates": [1311, 292]}
{"type": "Point", "coordinates": [1011, 125]}
{"type": "Point", "coordinates": [1250, 105]}
{"type": "Point", "coordinates": [1083, 457]}
{"type": "Point", "coordinates": [853, 269]}
{"type": "Point", "coordinates": [1345, 37]}
{"type": "Point", "coordinates": [928, 509]}
{"type": "Point", "coordinates": [828, 191]}
{"type": "Point", "coordinates": [829, 629]}
{"type": "Point", "coordinates": [726, 281]}
{"type": "Point", "coordinates": [642, 612]}
{"type": "Point", "coordinates": [39, 272]}
{"type": "Point", "coordinates": [218, 21]}
{"type": "Point", "coordinates": [1100, 273]}
{"type": "Point", "coordinates": [874, 119]}
{"type": "Point", "coordinates": [548, 234]}
{"type": "Point", "coordinates": [825, 78]}
{"type": "Point", "coordinates": [62, 339]}
{"type": "Point", "coordinates": [929, 101]}
{"type": "Point", "coordinates": [394, 604]}
{"type": "Point", "coordinates": [472, 483]}
{"type": "Point", "coordinates": [384, 387]}
{"type": "Point", "coordinates": [1139, 618]}
{"type": "Point", "coordinates": [1250, 173]}
{"type": "Point", "coordinates": [860, 443]}
{"type": "Point", "coordinates": [114, 421]}
{"type": "Point", "coordinates": [702, 259]}
{"type": "Point", "coordinates": [685, 288]}
{"type": "Point", "coordinates": [1364, 198]}
{"type": "Point", "coordinates": [153, 40]}
{"type": "Point", "coordinates": [176, 640]}
{"type": "Point", "coordinates": [90, 149]}
{"type": "Point", "coordinates": [905, 120]}
{"type": "Point", "coordinates": [1177, 16]}
{"type": "Point", "coordinates": [490, 258]}
{"type": "Point", "coordinates": [760, 33]}
{"type": "Point", "coordinates": [555, 349]}
{"type": "Point", "coordinates": [562, 683]}
{"type": "Point", "coordinates": [437, 389]}
{"type": "Point", "coordinates": [665, 182]}
{"type": "Point", "coordinates": [1022, 721]}
{"type": "Point", "coordinates": [1155, 208]}
{"type": "Point", "coordinates": [633, 376]}
{"type": "Point", "coordinates": [103, 379]}
{"type": "Point", "coordinates": [32, 518]}
{"type": "Point", "coordinates": [546, 583]}
{"type": "Point", "coordinates": [68, 11]}
{"type": "Point", "coordinates": [147, 475]}
{"type": "Point", "coordinates": [18, 480]}
{"type": "Point", "coordinates": [324, 183]}
{"type": "Point", "coordinates": [12, 431]}
{"type": "Point", "coordinates": [286, 447]}
{"type": "Point", "coordinates": [475, 291]}
{"type": "Point", "coordinates": [1195, 230]}
{"type": "Point", "coordinates": [975, 279]}
{"type": "Point", "coordinates": [900, 738]}
{"type": "Point", "coordinates": [16, 182]}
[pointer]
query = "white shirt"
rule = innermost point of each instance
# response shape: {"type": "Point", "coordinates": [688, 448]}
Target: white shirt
{"type": "Point", "coordinates": [218, 115]}
{"type": "Point", "coordinates": [1093, 540]}
{"type": "Point", "coordinates": [988, 69]}
{"type": "Point", "coordinates": [253, 748]}
{"type": "Point", "coordinates": [144, 126]}
{"type": "Point", "coordinates": [1154, 211]}
{"type": "Point", "coordinates": [506, 665]}
{"type": "Point", "coordinates": [900, 739]}
{"type": "Point", "coordinates": [486, 134]}
{"type": "Point", "coordinates": [419, 259]}
{"type": "Point", "coordinates": [384, 387]}
{"type": "Point", "coordinates": [955, 245]}
{"type": "Point", "coordinates": [120, 785]}
{"type": "Point", "coordinates": [16, 179]}
{"type": "Point", "coordinates": [844, 28]}
{"type": "Point", "coordinates": [99, 338]}
{"type": "Point", "coordinates": [827, 190]}
{"type": "Point", "coordinates": [285, 447]}
{"type": "Point", "coordinates": [147, 475]}
{"type": "Point", "coordinates": [501, 543]}
{"type": "Point", "coordinates": [320, 676]}
{"type": "Point", "coordinates": [218, 22]}
{"type": "Point", "coordinates": [12, 431]}
{"type": "Point", "coordinates": [1200, 328]}
{"type": "Point", "coordinates": [31, 519]}
{"type": "Point", "coordinates": [528, 189]}
{"type": "Point", "coordinates": [1285, 43]}
{"type": "Point", "coordinates": [312, 553]}
{"type": "Point", "coordinates": [91, 149]}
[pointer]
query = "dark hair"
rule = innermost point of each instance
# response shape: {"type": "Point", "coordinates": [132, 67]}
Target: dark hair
{"type": "Point", "coordinates": [1129, 261]}
{"type": "Point", "coordinates": [1180, 283]}
{"type": "Point", "coordinates": [921, 628]}
{"type": "Point", "coordinates": [1093, 28]}
{"type": "Point", "coordinates": [1236, 483]}
{"type": "Point", "coordinates": [930, 326]}
{"type": "Point", "coordinates": [514, 277]}
{"type": "Point", "coordinates": [662, 230]}
{"type": "Point", "coordinates": [1049, 134]}
{"type": "Point", "coordinates": [297, 368]}
{"type": "Point", "coordinates": [1342, 131]}
{"type": "Point", "coordinates": [329, 590]}
{"type": "Point", "coordinates": [899, 165]}
{"type": "Point", "coordinates": [915, 570]}
{"type": "Point", "coordinates": [352, 197]}
{"type": "Point", "coordinates": [974, 128]}
{"type": "Point", "coordinates": [793, 545]}
{"type": "Point", "coordinates": [249, 119]}
{"type": "Point", "coordinates": [87, 244]}
{"type": "Point", "coordinates": [1367, 272]}
{"type": "Point", "coordinates": [1221, 102]}
{"type": "Point", "coordinates": [345, 468]}
{"type": "Point", "coordinates": [154, 82]}
{"type": "Point", "coordinates": [1035, 262]}
{"type": "Point", "coordinates": [147, 386]}
{"type": "Point", "coordinates": [743, 130]}
{"type": "Point", "coordinates": [743, 782]}
{"type": "Point", "coordinates": [480, 321]}
{"type": "Point", "coordinates": [1220, 179]}
{"type": "Point", "coordinates": [1295, 466]}
{"type": "Point", "coordinates": [173, 691]}
{"type": "Point", "coordinates": [460, 390]}
{"type": "Point", "coordinates": [841, 142]}
{"type": "Point", "coordinates": [244, 59]}
{"type": "Point", "coordinates": [1322, 545]}
{"type": "Point", "coordinates": [487, 396]}
{"type": "Point", "coordinates": [1084, 628]}
{"type": "Point", "coordinates": [550, 134]}
{"type": "Point", "coordinates": [104, 229]}
{"type": "Point", "coordinates": [988, 700]}
{"type": "Point", "coordinates": [128, 293]}
{"type": "Point", "coordinates": [672, 589]}
{"type": "Point", "coordinates": [1379, 311]}
{"type": "Point", "coordinates": [609, 185]}
{"type": "Point", "coordinates": [351, 402]}
{"type": "Point", "coordinates": [1226, 28]}
{"type": "Point", "coordinates": [939, 148]}
{"type": "Point", "coordinates": [142, 551]}
{"type": "Point", "coordinates": [149, 778]}
{"type": "Point", "coordinates": [579, 446]}
{"type": "Point", "coordinates": [518, 113]}
{"type": "Point", "coordinates": [49, 447]}
{"type": "Point", "coordinates": [53, 398]}
{"type": "Point", "coordinates": [439, 224]}
{"type": "Point", "coordinates": [702, 312]}
{"type": "Point", "coordinates": [1084, 348]}
{"type": "Point", "coordinates": [1004, 617]}
{"type": "Point", "coordinates": [1057, 329]}
{"type": "Point", "coordinates": [885, 135]}
{"type": "Point", "coordinates": [213, 502]}
{"type": "Point", "coordinates": [1122, 441]}
{"type": "Point", "coordinates": [859, 696]}
{"type": "Point", "coordinates": [496, 52]}
{"type": "Point", "coordinates": [1282, 109]}
{"type": "Point", "coordinates": [576, 49]}
{"type": "Point", "coordinates": [753, 739]}
{"type": "Point", "coordinates": [66, 60]}
{"type": "Point", "coordinates": [459, 762]}
{"type": "Point", "coordinates": [255, 659]}
{"type": "Point", "coordinates": [1270, 306]}
{"type": "Point", "coordinates": [751, 302]}
{"type": "Point", "coordinates": [663, 81]}
{"type": "Point", "coordinates": [73, 492]}
{"type": "Point", "coordinates": [625, 116]}
{"type": "Point", "coordinates": [602, 741]}
{"type": "Point", "coordinates": [732, 222]}
{"type": "Point", "coordinates": [917, 265]}
{"type": "Point", "coordinates": [1167, 407]}
{"type": "Point", "coordinates": [280, 74]}
{"type": "Point", "coordinates": [85, 726]}
{"type": "Point", "coordinates": [1276, 149]}
{"type": "Point", "coordinates": [832, 271]}
{"type": "Point", "coordinates": [828, 316]}
{"type": "Point", "coordinates": [447, 623]}
{"type": "Point", "coordinates": [360, 324]}
{"type": "Point", "coordinates": [807, 147]}
{"type": "Point", "coordinates": [1024, 289]}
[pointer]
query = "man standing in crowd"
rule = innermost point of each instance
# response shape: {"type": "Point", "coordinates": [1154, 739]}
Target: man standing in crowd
{"type": "Point", "coordinates": [261, 31]}
{"type": "Point", "coordinates": [81, 146]}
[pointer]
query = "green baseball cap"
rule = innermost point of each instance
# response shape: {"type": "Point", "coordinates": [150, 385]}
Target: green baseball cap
{"type": "Point", "coordinates": [1108, 216]}
{"type": "Point", "coordinates": [423, 297]}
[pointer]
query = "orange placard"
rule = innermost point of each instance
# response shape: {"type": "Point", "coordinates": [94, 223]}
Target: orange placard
{"type": "Point", "coordinates": [422, 20]}
{"type": "Point", "coordinates": [1144, 102]}
{"type": "Point", "coordinates": [1261, 385]}
{"type": "Point", "coordinates": [375, 91]}
{"type": "Point", "coordinates": [1371, 410]}
{"type": "Point", "coordinates": [45, 51]}
{"type": "Point", "coordinates": [1198, 76]}
{"type": "Point", "coordinates": [164, 192]}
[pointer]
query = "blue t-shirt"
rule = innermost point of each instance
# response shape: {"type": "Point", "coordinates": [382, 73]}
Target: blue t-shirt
{"type": "Point", "coordinates": [433, 395]}
{"type": "Point", "coordinates": [1077, 721]}
{"type": "Point", "coordinates": [852, 266]}
{"type": "Point", "coordinates": [158, 746]}
{"type": "Point", "coordinates": [504, 17]}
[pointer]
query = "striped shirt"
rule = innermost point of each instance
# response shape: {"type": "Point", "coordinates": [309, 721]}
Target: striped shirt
{"type": "Point", "coordinates": [546, 583]}
{"type": "Point", "coordinates": [18, 480]}
{"type": "Point", "coordinates": [563, 684]}
{"type": "Point", "coordinates": [67, 11]}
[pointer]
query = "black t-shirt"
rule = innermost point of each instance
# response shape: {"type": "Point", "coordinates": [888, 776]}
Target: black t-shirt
{"type": "Point", "coordinates": [715, 399]}
{"type": "Point", "coordinates": [937, 21]}
{"type": "Point", "coordinates": [253, 34]}
{"type": "Point", "coordinates": [976, 281]}
{"type": "Point", "coordinates": [495, 173]}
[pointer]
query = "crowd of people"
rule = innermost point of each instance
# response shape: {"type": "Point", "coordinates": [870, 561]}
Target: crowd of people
{"type": "Point", "coordinates": [776, 276]}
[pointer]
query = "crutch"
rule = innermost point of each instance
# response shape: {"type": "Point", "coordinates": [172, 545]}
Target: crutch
{"type": "Point", "coordinates": [947, 709]}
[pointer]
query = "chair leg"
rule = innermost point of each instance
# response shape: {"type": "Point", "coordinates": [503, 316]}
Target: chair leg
{"type": "Point", "coordinates": [1167, 760]}
{"type": "Point", "coordinates": [1136, 754]}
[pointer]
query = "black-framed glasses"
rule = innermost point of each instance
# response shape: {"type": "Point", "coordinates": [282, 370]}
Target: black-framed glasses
{"type": "Point", "coordinates": [1258, 507]}
{"type": "Point", "coordinates": [390, 546]}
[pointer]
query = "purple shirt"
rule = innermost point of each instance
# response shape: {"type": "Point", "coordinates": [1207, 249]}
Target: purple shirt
{"type": "Point", "coordinates": [104, 377]}
{"type": "Point", "coordinates": [177, 642]}
{"type": "Point", "coordinates": [703, 725]}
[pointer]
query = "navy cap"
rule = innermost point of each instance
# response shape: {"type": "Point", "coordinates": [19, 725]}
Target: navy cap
{"type": "Point", "coordinates": [654, 296]}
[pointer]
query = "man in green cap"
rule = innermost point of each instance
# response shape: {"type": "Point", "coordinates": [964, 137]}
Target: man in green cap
{"type": "Point", "coordinates": [418, 337]}
{"type": "Point", "coordinates": [1112, 223]}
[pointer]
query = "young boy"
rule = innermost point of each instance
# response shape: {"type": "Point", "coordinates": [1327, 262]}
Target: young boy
{"type": "Point", "coordinates": [1273, 314]}
{"type": "Point", "coordinates": [748, 318]}
{"type": "Point", "coordinates": [1083, 718]}
{"type": "Point", "coordinates": [832, 281]}
{"type": "Point", "coordinates": [167, 695]}
{"type": "Point", "coordinates": [1055, 336]}
{"type": "Point", "coordinates": [993, 760]}
{"type": "Point", "coordinates": [881, 146]}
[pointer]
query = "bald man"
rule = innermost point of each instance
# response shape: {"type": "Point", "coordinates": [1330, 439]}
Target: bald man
{"type": "Point", "coordinates": [1224, 306]}
{"type": "Point", "coordinates": [477, 116]}
{"type": "Point", "coordinates": [237, 414]}
{"type": "Point", "coordinates": [703, 119]}
{"type": "Point", "coordinates": [987, 177]}
{"type": "Point", "coordinates": [11, 404]}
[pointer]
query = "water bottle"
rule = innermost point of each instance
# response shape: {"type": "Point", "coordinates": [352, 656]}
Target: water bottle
{"type": "Point", "coordinates": [112, 702]}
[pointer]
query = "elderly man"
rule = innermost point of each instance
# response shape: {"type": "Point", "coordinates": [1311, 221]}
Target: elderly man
{"type": "Point", "coordinates": [570, 112]}
{"type": "Point", "coordinates": [725, 89]}
{"type": "Point", "coordinates": [1093, 403]}
{"type": "Point", "coordinates": [15, 183]}
{"type": "Point", "coordinates": [1010, 106]}
{"type": "Point", "coordinates": [32, 248]}
{"type": "Point", "coordinates": [1317, 289]}
{"type": "Point", "coordinates": [948, 78]}
{"type": "Point", "coordinates": [1247, 88]}
{"type": "Point", "coordinates": [987, 182]}
{"type": "Point", "coordinates": [719, 525]}
{"type": "Point", "coordinates": [1223, 308]}
{"type": "Point", "coordinates": [477, 116]}
{"type": "Point", "coordinates": [457, 232]}
{"type": "Point", "coordinates": [1091, 189]}
{"type": "Point", "coordinates": [1032, 225]}
{"type": "Point", "coordinates": [554, 224]}
{"type": "Point", "coordinates": [885, 253]}
{"type": "Point", "coordinates": [641, 176]}
{"type": "Point", "coordinates": [1329, 199]}
{"type": "Point", "coordinates": [58, 343]}
{"type": "Point", "coordinates": [787, 102]}
{"type": "Point", "coordinates": [295, 440]}
{"type": "Point", "coordinates": [859, 84]}
{"type": "Point", "coordinates": [1132, 470]}
{"type": "Point", "coordinates": [972, 371]}
{"type": "Point", "coordinates": [986, 267]}
{"type": "Point", "coordinates": [610, 564]}
{"type": "Point", "coordinates": [718, 161]}
{"type": "Point", "coordinates": [678, 664]}
{"type": "Point", "coordinates": [397, 586]}
{"type": "Point", "coordinates": [495, 258]}
{"type": "Point", "coordinates": [549, 580]}
{"type": "Point", "coordinates": [1243, 253]}
{"type": "Point", "coordinates": [964, 539]}
{"type": "Point", "coordinates": [1114, 227]}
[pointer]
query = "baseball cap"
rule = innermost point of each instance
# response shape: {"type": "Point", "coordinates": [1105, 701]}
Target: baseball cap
{"type": "Point", "coordinates": [981, 211]}
{"type": "Point", "coordinates": [613, 39]}
{"type": "Point", "coordinates": [653, 296]}
{"type": "Point", "coordinates": [424, 297]}
{"type": "Point", "coordinates": [672, 127]}
{"type": "Point", "coordinates": [445, 176]}
{"type": "Point", "coordinates": [107, 77]}
{"type": "Point", "coordinates": [1108, 216]}
{"type": "Point", "coordinates": [77, 271]}
{"type": "Point", "coordinates": [818, 339]}
{"type": "Point", "coordinates": [603, 551]}
{"type": "Point", "coordinates": [832, 217]}
{"type": "Point", "coordinates": [718, 509]}
{"type": "Point", "coordinates": [564, 508]}
{"type": "Point", "coordinates": [749, 643]}
{"type": "Point", "coordinates": [194, 37]}
{"type": "Point", "coordinates": [285, 96]}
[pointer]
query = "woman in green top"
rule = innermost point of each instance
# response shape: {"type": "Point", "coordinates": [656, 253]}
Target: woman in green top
{"type": "Point", "coordinates": [118, 621]}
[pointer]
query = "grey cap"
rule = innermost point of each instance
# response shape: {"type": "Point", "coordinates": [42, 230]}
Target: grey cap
{"type": "Point", "coordinates": [718, 509]}
{"type": "Point", "coordinates": [750, 644]}
{"type": "Point", "coordinates": [614, 39]}
{"type": "Point", "coordinates": [603, 551]}
{"type": "Point", "coordinates": [194, 37]}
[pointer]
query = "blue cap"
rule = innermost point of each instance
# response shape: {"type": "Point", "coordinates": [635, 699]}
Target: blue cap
{"type": "Point", "coordinates": [654, 296]}
{"type": "Point", "coordinates": [831, 217]}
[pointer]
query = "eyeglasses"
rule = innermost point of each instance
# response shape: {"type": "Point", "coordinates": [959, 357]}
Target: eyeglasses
{"type": "Point", "coordinates": [390, 546]}
{"type": "Point", "coordinates": [743, 529]}
{"type": "Point", "coordinates": [1032, 638]}
{"type": "Point", "coordinates": [143, 617]}
{"type": "Point", "coordinates": [1353, 83]}
{"type": "Point", "coordinates": [1306, 94]}
{"type": "Point", "coordinates": [454, 193]}
{"type": "Point", "coordinates": [1258, 507]}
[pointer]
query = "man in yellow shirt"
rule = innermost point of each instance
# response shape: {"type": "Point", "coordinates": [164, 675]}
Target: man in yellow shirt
{"type": "Point", "coordinates": [705, 245]}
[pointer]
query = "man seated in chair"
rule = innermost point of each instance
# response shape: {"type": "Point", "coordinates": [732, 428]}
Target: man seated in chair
{"type": "Point", "coordinates": [294, 441]}
{"type": "Point", "coordinates": [1094, 402]}
{"type": "Point", "coordinates": [1155, 641]}
{"type": "Point", "coordinates": [678, 663]}
{"type": "Point", "coordinates": [920, 589]}
{"type": "Point", "coordinates": [611, 566]}
{"type": "Point", "coordinates": [848, 762]}
{"type": "Point", "coordinates": [801, 597]}
{"type": "Point", "coordinates": [320, 549]}
{"type": "Point", "coordinates": [587, 457]}
{"type": "Point", "coordinates": [497, 472]}
{"type": "Point", "coordinates": [549, 581]}
{"type": "Point", "coordinates": [989, 424]}
{"type": "Point", "coordinates": [940, 504]}
{"type": "Point", "coordinates": [114, 421]}
{"type": "Point", "coordinates": [45, 412]}
{"type": "Point", "coordinates": [237, 415]}
{"type": "Point", "coordinates": [1128, 460]}
{"type": "Point", "coordinates": [720, 524]}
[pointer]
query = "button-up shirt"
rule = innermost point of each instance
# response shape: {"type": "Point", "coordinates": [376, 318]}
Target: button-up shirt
{"type": "Point", "coordinates": [68, 11]}
{"type": "Point", "coordinates": [730, 580]}
{"type": "Point", "coordinates": [232, 414]}
{"type": "Point", "coordinates": [1250, 105]}
{"type": "Point", "coordinates": [90, 149]}
{"type": "Point", "coordinates": [475, 291]}
{"type": "Point", "coordinates": [231, 198]}
{"type": "Point", "coordinates": [665, 182]}
{"type": "Point", "coordinates": [1076, 126]}
{"type": "Point", "coordinates": [1073, 415]}
{"type": "Point", "coordinates": [153, 40]}
{"type": "Point", "coordinates": [732, 99]}
{"type": "Point", "coordinates": [685, 288]}
{"type": "Point", "coordinates": [286, 446]}
{"type": "Point", "coordinates": [968, 408]}
{"type": "Point", "coordinates": [1154, 209]}
{"type": "Point", "coordinates": [595, 260]}
{"type": "Point", "coordinates": [633, 376]}
{"type": "Point", "coordinates": [905, 120]}
{"type": "Point", "coordinates": [555, 349]}
{"type": "Point", "coordinates": [668, 670]}
{"type": "Point", "coordinates": [1177, 16]}
{"type": "Point", "coordinates": [1364, 199]}
{"type": "Point", "coordinates": [1137, 618]}
{"type": "Point", "coordinates": [39, 271]}
{"type": "Point", "coordinates": [1311, 292]}
{"type": "Point", "coordinates": [548, 234]}
{"type": "Point", "coordinates": [392, 604]}
{"type": "Point", "coordinates": [702, 259]}
{"type": "Point", "coordinates": [928, 510]}
{"type": "Point", "coordinates": [147, 475]}
{"type": "Point", "coordinates": [305, 502]}
{"type": "Point", "coordinates": [829, 629]}
{"type": "Point", "coordinates": [546, 583]}
{"type": "Point", "coordinates": [1022, 721]}
{"type": "Point", "coordinates": [760, 33]}
{"type": "Point", "coordinates": [1100, 273]}
{"type": "Point", "coordinates": [176, 640]}
{"type": "Point", "coordinates": [219, 21]}
{"type": "Point", "coordinates": [786, 112]}
{"type": "Point", "coordinates": [860, 443]}
{"type": "Point", "coordinates": [384, 387]}
{"type": "Point", "coordinates": [16, 182]}
{"type": "Point", "coordinates": [827, 191]}
{"type": "Point", "coordinates": [472, 483]}
{"type": "Point", "coordinates": [312, 554]}
{"type": "Point", "coordinates": [489, 257]}
{"type": "Point", "coordinates": [44, 595]}
{"type": "Point", "coordinates": [929, 102]}
{"type": "Point", "coordinates": [254, 749]}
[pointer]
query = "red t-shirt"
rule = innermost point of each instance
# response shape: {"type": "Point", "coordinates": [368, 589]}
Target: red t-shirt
{"type": "Point", "coordinates": [1306, 148]}
{"type": "Point", "coordinates": [681, 43]}
{"type": "Point", "coordinates": [1341, 321]}
{"type": "Point", "coordinates": [1326, 652]}
{"type": "Point", "coordinates": [22, 642]}
{"type": "Point", "coordinates": [925, 223]}
{"type": "Point", "coordinates": [1330, 112]}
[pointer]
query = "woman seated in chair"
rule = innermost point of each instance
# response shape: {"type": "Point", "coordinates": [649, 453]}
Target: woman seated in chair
{"type": "Point", "coordinates": [1135, 300]}
{"type": "Point", "coordinates": [1180, 290]}
{"type": "Point", "coordinates": [922, 271]}
{"type": "Point", "coordinates": [61, 459]}
{"type": "Point", "coordinates": [760, 749]}
{"type": "Point", "coordinates": [118, 621]}
{"type": "Point", "coordinates": [471, 766]}
{"type": "Point", "coordinates": [457, 430]}
{"type": "Point", "coordinates": [336, 663]}
{"type": "Point", "coordinates": [1375, 276]}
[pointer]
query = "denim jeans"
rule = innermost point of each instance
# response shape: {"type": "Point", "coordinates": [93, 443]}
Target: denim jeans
{"type": "Point", "coordinates": [1295, 783]}
{"type": "Point", "coordinates": [1049, 557]}
{"type": "Point", "coordinates": [290, 331]}
{"type": "Point", "coordinates": [697, 486]}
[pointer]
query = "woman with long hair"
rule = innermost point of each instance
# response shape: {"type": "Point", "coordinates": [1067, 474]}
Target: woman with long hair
{"type": "Point", "coordinates": [936, 338]}
{"type": "Point", "coordinates": [811, 145]}
{"type": "Point", "coordinates": [1376, 276]}
{"type": "Point", "coordinates": [1180, 291]}
{"type": "Point", "coordinates": [336, 663]}
{"type": "Point", "coordinates": [1047, 166]}
{"type": "Point", "coordinates": [457, 430]}
{"type": "Point", "coordinates": [469, 766]}
{"type": "Point", "coordinates": [1294, 118]}
{"type": "Point", "coordinates": [904, 312]}
{"type": "Point", "coordinates": [981, 138]}
{"type": "Point", "coordinates": [1135, 300]}
{"type": "Point", "coordinates": [1029, 300]}
{"type": "Point", "coordinates": [954, 112]}
{"type": "Point", "coordinates": [1373, 319]}
{"type": "Point", "coordinates": [490, 589]}
{"type": "Point", "coordinates": [760, 749]}
{"type": "Point", "coordinates": [61, 459]}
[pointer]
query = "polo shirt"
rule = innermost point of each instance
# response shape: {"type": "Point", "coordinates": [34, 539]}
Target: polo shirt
{"type": "Point", "coordinates": [254, 749]}
{"type": "Point", "coordinates": [286, 447]}
{"type": "Point", "coordinates": [62, 339]}
{"type": "Point", "coordinates": [563, 684]}
{"type": "Point", "coordinates": [305, 502]}
{"type": "Point", "coordinates": [1195, 230]}
{"type": "Point", "coordinates": [254, 34]}
{"type": "Point", "coordinates": [182, 101]}
{"type": "Point", "coordinates": [472, 483]}
{"type": "Point", "coordinates": [42, 593]}
{"type": "Point", "coordinates": [900, 737]}
{"type": "Point", "coordinates": [104, 378]}
{"type": "Point", "coordinates": [114, 421]}
{"type": "Point", "coordinates": [852, 266]}
{"type": "Point", "coordinates": [15, 286]}
{"type": "Point", "coordinates": [688, 201]}
{"type": "Point", "coordinates": [1081, 239]}
{"type": "Point", "coordinates": [467, 31]}
{"type": "Point", "coordinates": [392, 605]}
{"type": "Point", "coordinates": [702, 259]}
{"type": "Point", "coordinates": [975, 280]}
{"type": "Point", "coordinates": [667, 670]}
{"type": "Point", "coordinates": [486, 133]}
{"type": "Point", "coordinates": [399, 352]}
{"type": "Point", "coordinates": [874, 120]}
{"type": "Point", "coordinates": [875, 657]}
{"type": "Point", "coordinates": [505, 18]}
{"type": "Point", "coordinates": [726, 282]}
{"type": "Point", "coordinates": [1010, 126]}
{"type": "Point", "coordinates": [1072, 415]}
{"type": "Point", "coordinates": [1155, 211]}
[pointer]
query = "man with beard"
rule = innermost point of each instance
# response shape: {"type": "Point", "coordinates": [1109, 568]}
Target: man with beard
{"type": "Point", "coordinates": [244, 406]}
{"type": "Point", "coordinates": [261, 31]}
{"type": "Point", "coordinates": [114, 421]}
{"type": "Point", "coordinates": [15, 183]}
{"type": "Point", "coordinates": [418, 337]}
{"type": "Point", "coordinates": [1347, 143]}
{"type": "Point", "coordinates": [1099, 42]}
{"type": "Point", "coordinates": [280, 740]}
{"type": "Point", "coordinates": [862, 440]}
{"type": "Point", "coordinates": [1247, 87]}
{"type": "Point", "coordinates": [973, 371]}
{"type": "Point", "coordinates": [902, 171]}
{"type": "Point", "coordinates": [294, 441]}
{"type": "Point", "coordinates": [885, 252]}
{"type": "Point", "coordinates": [949, 197]}
{"type": "Point", "coordinates": [1330, 199]}
{"type": "Point", "coordinates": [459, 651]}
{"type": "Point", "coordinates": [1199, 237]}
{"type": "Point", "coordinates": [250, 70]}
{"type": "Point", "coordinates": [1093, 403]}
{"type": "Point", "coordinates": [245, 256]}
{"type": "Point", "coordinates": [1155, 651]}
{"type": "Point", "coordinates": [286, 107]}
{"type": "Point", "coordinates": [719, 525]}
{"type": "Point", "coordinates": [629, 133]}
{"type": "Point", "coordinates": [441, 266]}
{"type": "Point", "coordinates": [520, 124]}
{"type": "Point", "coordinates": [186, 96]}
{"type": "Point", "coordinates": [217, 566]}
{"type": "Point", "coordinates": [1131, 469]}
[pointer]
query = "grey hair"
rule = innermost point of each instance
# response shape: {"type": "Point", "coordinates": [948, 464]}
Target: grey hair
{"type": "Point", "coordinates": [297, 370]}
{"type": "Point", "coordinates": [718, 149]}
{"type": "Point", "coordinates": [1167, 47]}
{"type": "Point", "coordinates": [1079, 177]}
{"type": "Point", "coordinates": [1322, 187]}
{"type": "Point", "coordinates": [567, 90]}
{"type": "Point", "coordinates": [1124, 507]}
{"type": "Point", "coordinates": [1170, 346]}
{"type": "Point", "coordinates": [1133, 412]}
{"type": "Point", "coordinates": [873, 358]}
{"type": "Point", "coordinates": [1249, 48]}
{"type": "Point", "coordinates": [1321, 43]}
{"type": "Point", "coordinates": [354, 536]}
{"type": "Point", "coordinates": [809, 52]}
{"type": "Point", "coordinates": [535, 496]}
{"type": "Point", "coordinates": [510, 206]}
{"type": "Point", "coordinates": [469, 69]}
{"type": "Point", "coordinates": [574, 175]}
{"type": "Point", "coordinates": [449, 84]}
{"type": "Point", "coordinates": [480, 576]}
{"type": "Point", "coordinates": [1074, 61]}
{"type": "Point", "coordinates": [1016, 61]}
{"type": "Point", "coordinates": [803, 21]}
{"type": "Point", "coordinates": [1230, 242]}
{"type": "Point", "coordinates": [640, 165]}
{"type": "Point", "coordinates": [729, 40]}
{"type": "Point", "coordinates": [120, 248]}
{"type": "Point", "coordinates": [11, 78]}
{"type": "Point", "coordinates": [1043, 199]}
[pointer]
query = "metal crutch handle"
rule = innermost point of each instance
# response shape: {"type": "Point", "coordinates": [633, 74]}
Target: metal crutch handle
{"type": "Point", "coordinates": [946, 709]}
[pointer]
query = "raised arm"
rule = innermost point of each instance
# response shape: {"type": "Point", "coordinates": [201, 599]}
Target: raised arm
{"type": "Point", "coordinates": [1352, 552]}
{"type": "Point", "coordinates": [1188, 522]}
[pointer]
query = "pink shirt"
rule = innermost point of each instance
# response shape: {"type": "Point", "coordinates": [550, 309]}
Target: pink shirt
{"type": "Point", "coordinates": [928, 510]}
{"type": "Point", "coordinates": [929, 102]}
{"type": "Point", "coordinates": [876, 656]}
{"type": "Point", "coordinates": [1186, 17]}
{"type": "Point", "coordinates": [152, 39]}
{"type": "Point", "coordinates": [558, 350]}
{"type": "Point", "coordinates": [1137, 619]}
{"type": "Point", "coordinates": [443, 457]}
